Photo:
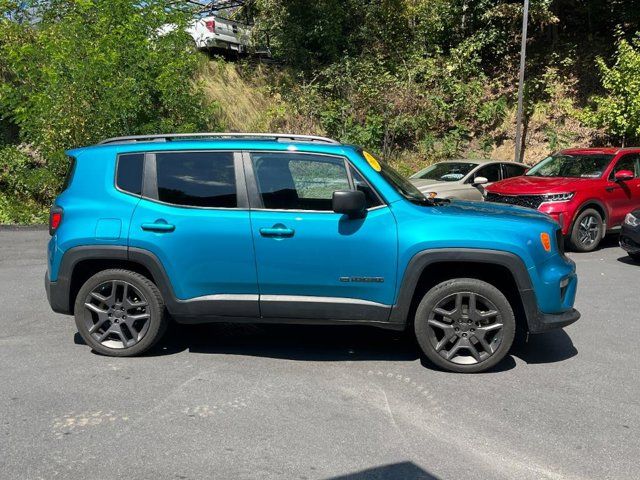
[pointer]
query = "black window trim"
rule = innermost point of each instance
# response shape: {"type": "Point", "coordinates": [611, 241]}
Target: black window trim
{"type": "Point", "coordinates": [255, 199]}
{"type": "Point", "coordinates": [150, 179]}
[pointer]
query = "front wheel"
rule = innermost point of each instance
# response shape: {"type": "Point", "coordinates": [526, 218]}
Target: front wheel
{"type": "Point", "coordinates": [120, 313]}
{"type": "Point", "coordinates": [465, 325]}
{"type": "Point", "coordinates": [587, 231]}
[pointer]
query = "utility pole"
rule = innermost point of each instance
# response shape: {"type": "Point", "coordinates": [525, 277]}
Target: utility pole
{"type": "Point", "coordinates": [523, 55]}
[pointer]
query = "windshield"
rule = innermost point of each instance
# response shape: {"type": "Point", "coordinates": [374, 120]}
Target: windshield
{"type": "Point", "coordinates": [446, 171]}
{"type": "Point", "coordinates": [578, 166]}
{"type": "Point", "coordinates": [403, 186]}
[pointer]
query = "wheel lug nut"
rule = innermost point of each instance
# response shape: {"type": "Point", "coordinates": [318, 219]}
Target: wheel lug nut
{"type": "Point", "coordinates": [473, 329]}
{"type": "Point", "coordinates": [464, 334]}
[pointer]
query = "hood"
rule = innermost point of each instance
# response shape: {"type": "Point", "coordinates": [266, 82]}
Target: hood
{"type": "Point", "coordinates": [532, 185]}
{"type": "Point", "coordinates": [497, 211]}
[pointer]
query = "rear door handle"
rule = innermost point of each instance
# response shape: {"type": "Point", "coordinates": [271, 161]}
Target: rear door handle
{"type": "Point", "coordinates": [158, 227]}
{"type": "Point", "coordinates": [278, 231]}
{"type": "Point", "coordinates": [611, 189]}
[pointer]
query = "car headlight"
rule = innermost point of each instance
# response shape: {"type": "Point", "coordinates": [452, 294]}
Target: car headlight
{"type": "Point", "coordinates": [631, 220]}
{"type": "Point", "coordinates": [558, 197]}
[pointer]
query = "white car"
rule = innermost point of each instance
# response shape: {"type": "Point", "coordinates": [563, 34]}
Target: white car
{"type": "Point", "coordinates": [463, 179]}
{"type": "Point", "coordinates": [217, 32]}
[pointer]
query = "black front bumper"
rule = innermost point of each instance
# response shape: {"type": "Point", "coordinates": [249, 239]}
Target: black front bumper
{"type": "Point", "coordinates": [630, 239]}
{"type": "Point", "coordinates": [539, 322]}
{"type": "Point", "coordinates": [544, 322]}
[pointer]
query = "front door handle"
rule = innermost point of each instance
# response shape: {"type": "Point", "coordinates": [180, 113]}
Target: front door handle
{"type": "Point", "coordinates": [277, 231]}
{"type": "Point", "coordinates": [158, 226]}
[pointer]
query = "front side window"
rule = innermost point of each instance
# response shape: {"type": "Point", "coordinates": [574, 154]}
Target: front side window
{"type": "Point", "coordinates": [361, 184]}
{"type": "Point", "coordinates": [129, 173]}
{"type": "Point", "coordinates": [628, 162]}
{"type": "Point", "coordinates": [197, 179]}
{"type": "Point", "coordinates": [446, 171]}
{"type": "Point", "coordinates": [289, 181]}
{"type": "Point", "coordinates": [509, 170]}
{"type": "Point", "coordinates": [577, 166]}
{"type": "Point", "coordinates": [490, 172]}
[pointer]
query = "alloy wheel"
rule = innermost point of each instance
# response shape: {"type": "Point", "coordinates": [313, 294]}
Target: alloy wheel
{"type": "Point", "coordinates": [465, 328]}
{"type": "Point", "coordinates": [116, 314]}
{"type": "Point", "coordinates": [588, 230]}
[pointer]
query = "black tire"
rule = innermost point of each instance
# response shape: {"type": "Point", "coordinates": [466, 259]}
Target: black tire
{"type": "Point", "coordinates": [587, 231]}
{"type": "Point", "coordinates": [489, 335]}
{"type": "Point", "coordinates": [112, 295]}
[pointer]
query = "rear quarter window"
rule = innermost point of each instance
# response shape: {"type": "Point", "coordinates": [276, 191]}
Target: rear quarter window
{"type": "Point", "coordinates": [129, 173]}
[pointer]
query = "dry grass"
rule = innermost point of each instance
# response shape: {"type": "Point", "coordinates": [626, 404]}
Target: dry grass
{"type": "Point", "coordinates": [247, 102]}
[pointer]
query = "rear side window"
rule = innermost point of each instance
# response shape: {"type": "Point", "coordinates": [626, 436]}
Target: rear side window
{"type": "Point", "coordinates": [69, 176]}
{"type": "Point", "coordinates": [197, 179]}
{"type": "Point", "coordinates": [129, 173]}
{"type": "Point", "coordinates": [510, 170]}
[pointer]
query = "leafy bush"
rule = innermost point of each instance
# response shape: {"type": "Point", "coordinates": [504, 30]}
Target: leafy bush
{"type": "Point", "coordinates": [25, 185]}
{"type": "Point", "coordinates": [95, 68]}
{"type": "Point", "coordinates": [618, 112]}
{"type": "Point", "coordinates": [74, 72]}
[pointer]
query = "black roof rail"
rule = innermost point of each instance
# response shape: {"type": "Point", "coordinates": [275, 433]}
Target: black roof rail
{"type": "Point", "coordinates": [186, 136]}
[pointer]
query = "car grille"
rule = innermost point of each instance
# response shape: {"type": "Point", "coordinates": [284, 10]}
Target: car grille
{"type": "Point", "coordinates": [530, 201]}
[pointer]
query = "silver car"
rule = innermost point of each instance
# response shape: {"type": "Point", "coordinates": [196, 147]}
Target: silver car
{"type": "Point", "coordinates": [463, 179]}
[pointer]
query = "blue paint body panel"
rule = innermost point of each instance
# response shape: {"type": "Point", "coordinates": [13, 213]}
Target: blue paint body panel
{"type": "Point", "coordinates": [221, 251]}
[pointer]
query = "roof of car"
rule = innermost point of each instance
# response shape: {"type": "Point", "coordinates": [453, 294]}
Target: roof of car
{"type": "Point", "coordinates": [598, 150]}
{"type": "Point", "coordinates": [478, 161]}
{"type": "Point", "coordinates": [275, 141]}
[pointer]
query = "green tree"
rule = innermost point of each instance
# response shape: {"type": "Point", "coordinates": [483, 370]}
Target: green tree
{"type": "Point", "coordinates": [73, 72]}
{"type": "Point", "coordinates": [80, 70]}
{"type": "Point", "coordinates": [618, 111]}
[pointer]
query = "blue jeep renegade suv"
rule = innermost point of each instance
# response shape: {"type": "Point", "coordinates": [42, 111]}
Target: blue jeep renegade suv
{"type": "Point", "coordinates": [290, 228]}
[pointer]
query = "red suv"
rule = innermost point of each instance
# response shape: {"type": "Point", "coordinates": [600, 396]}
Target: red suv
{"type": "Point", "coordinates": [588, 191]}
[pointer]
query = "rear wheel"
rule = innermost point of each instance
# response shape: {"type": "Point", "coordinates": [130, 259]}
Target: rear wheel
{"type": "Point", "coordinates": [587, 231]}
{"type": "Point", "coordinates": [465, 325]}
{"type": "Point", "coordinates": [120, 313]}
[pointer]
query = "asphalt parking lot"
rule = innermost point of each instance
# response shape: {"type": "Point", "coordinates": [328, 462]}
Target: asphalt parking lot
{"type": "Point", "coordinates": [294, 402]}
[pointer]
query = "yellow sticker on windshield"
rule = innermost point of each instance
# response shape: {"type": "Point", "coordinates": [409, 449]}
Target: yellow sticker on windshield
{"type": "Point", "coordinates": [372, 161]}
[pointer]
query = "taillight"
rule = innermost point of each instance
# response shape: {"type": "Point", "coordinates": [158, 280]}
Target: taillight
{"type": "Point", "coordinates": [211, 25]}
{"type": "Point", "coordinates": [55, 219]}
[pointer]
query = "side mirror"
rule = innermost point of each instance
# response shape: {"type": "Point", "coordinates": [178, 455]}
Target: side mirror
{"type": "Point", "coordinates": [624, 175]}
{"type": "Point", "coordinates": [480, 181]}
{"type": "Point", "coordinates": [352, 203]}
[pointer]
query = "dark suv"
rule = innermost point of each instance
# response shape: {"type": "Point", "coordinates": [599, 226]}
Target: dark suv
{"type": "Point", "coordinates": [286, 228]}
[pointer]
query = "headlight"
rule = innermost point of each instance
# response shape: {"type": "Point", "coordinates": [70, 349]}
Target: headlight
{"type": "Point", "coordinates": [558, 197]}
{"type": "Point", "coordinates": [631, 220]}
